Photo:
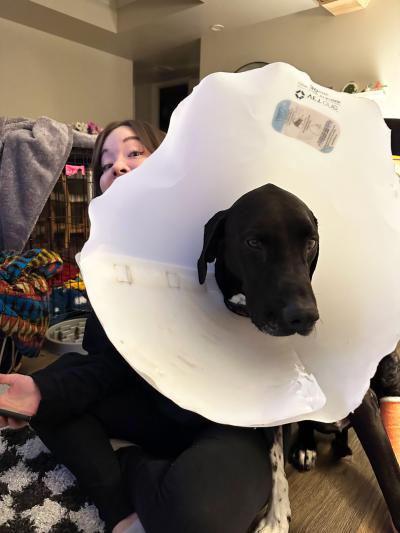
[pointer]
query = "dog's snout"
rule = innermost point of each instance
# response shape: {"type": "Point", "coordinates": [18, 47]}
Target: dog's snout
{"type": "Point", "coordinates": [300, 317]}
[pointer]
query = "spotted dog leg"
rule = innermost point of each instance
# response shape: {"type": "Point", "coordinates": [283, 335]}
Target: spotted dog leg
{"type": "Point", "coordinates": [278, 517]}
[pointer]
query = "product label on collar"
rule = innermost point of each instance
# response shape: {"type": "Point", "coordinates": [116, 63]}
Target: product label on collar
{"type": "Point", "coordinates": [318, 95]}
{"type": "Point", "coordinates": [305, 124]}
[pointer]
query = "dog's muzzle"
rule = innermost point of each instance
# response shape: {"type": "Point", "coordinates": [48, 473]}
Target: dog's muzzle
{"type": "Point", "coordinates": [300, 318]}
{"type": "Point", "coordinates": [295, 318]}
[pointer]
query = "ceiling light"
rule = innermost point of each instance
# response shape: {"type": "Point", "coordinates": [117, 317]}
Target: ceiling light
{"type": "Point", "coordinates": [217, 27]}
{"type": "Point", "coordinates": [341, 7]}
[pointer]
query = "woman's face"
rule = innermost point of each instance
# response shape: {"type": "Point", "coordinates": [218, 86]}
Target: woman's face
{"type": "Point", "coordinates": [122, 151]}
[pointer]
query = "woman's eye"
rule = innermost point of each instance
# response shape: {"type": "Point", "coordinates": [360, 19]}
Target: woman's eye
{"type": "Point", "coordinates": [135, 153]}
{"type": "Point", "coordinates": [104, 168]}
{"type": "Point", "coordinates": [253, 243]}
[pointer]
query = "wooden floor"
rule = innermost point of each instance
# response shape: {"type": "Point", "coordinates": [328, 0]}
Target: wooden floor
{"type": "Point", "coordinates": [337, 497]}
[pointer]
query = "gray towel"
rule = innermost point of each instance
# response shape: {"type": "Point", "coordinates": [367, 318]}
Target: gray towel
{"type": "Point", "coordinates": [32, 156]}
{"type": "Point", "coordinates": [83, 140]}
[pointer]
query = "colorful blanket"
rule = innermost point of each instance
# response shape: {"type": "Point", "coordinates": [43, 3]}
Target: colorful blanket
{"type": "Point", "coordinates": [24, 297]}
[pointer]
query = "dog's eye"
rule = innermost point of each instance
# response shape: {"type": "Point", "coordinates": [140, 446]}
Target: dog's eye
{"type": "Point", "coordinates": [253, 243]}
{"type": "Point", "coordinates": [311, 244]}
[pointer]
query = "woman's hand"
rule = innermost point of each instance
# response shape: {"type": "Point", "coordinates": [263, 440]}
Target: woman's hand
{"type": "Point", "coordinates": [22, 396]}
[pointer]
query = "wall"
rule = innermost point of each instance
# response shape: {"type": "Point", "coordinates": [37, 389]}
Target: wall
{"type": "Point", "coordinates": [144, 102]}
{"type": "Point", "coordinates": [42, 74]}
{"type": "Point", "coordinates": [363, 46]}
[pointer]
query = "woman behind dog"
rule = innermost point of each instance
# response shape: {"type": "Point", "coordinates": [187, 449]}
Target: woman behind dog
{"type": "Point", "coordinates": [185, 474]}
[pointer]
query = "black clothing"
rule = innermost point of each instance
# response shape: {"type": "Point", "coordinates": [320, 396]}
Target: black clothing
{"type": "Point", "coordinates": [189, 475]}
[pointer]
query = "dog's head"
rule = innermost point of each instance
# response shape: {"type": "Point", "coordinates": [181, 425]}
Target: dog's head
{"type": "Point", "coordinates": [266, 250]}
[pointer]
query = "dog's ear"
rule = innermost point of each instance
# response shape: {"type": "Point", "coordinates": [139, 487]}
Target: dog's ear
{"type": "Point", "coordinates": [213, 232]}
{"type": "Point", "coordinates": [315, 260]}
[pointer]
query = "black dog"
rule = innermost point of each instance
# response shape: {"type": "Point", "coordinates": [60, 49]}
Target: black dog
{"type": "Point", "coordinates": [266, 250]}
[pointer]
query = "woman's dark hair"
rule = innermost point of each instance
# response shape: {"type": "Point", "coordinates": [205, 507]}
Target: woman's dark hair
{"type": "Point", "coordinates": [149, 136]}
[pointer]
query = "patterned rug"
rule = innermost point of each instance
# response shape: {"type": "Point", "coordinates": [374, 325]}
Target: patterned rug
{"type": "Point", "coordinates": [38, 495]}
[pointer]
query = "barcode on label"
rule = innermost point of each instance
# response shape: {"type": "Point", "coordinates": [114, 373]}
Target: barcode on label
{"type": "Point", "coordinates": [325, 132]}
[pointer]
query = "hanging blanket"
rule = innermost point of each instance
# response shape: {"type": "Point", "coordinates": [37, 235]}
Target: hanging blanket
{"type": "Point", "coordinates": [24, 297]}
{"type": "Point", "coordinates": [32, 156]}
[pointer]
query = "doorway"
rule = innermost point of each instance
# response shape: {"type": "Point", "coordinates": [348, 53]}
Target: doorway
{"type": "Point", "coordinates": [169, 98]}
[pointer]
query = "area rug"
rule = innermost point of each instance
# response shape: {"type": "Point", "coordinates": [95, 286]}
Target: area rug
{"type": "Point", "coordinates": [38, 495]}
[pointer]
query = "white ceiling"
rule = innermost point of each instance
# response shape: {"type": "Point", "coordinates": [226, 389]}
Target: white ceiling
{"type": "Point", "coordinates": [161, 36]}
{"type": "Point", "coordinates": [137, 29]}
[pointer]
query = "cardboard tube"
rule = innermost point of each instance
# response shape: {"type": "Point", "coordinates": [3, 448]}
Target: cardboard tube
{"type": "Point", "coordinates": [390, 412]}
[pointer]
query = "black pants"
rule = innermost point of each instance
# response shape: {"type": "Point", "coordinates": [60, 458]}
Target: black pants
{"type": "Point", "coordinates": [199, 477]}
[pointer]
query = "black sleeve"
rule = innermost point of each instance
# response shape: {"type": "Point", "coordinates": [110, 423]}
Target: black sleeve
{"type": "Point", "coordinates": [94, 337]}
{"type": "Point", "coordinates": [73, 382]}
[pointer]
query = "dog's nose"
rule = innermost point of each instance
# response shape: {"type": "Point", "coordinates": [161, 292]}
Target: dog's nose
{"type": "Point", "coordinates": [300, 317]}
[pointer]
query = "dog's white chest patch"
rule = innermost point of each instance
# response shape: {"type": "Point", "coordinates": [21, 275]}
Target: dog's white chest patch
{"type": "Point", "coordinates": [279, 514]}
{"type": "Point", "coordinates": [238, 299]}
